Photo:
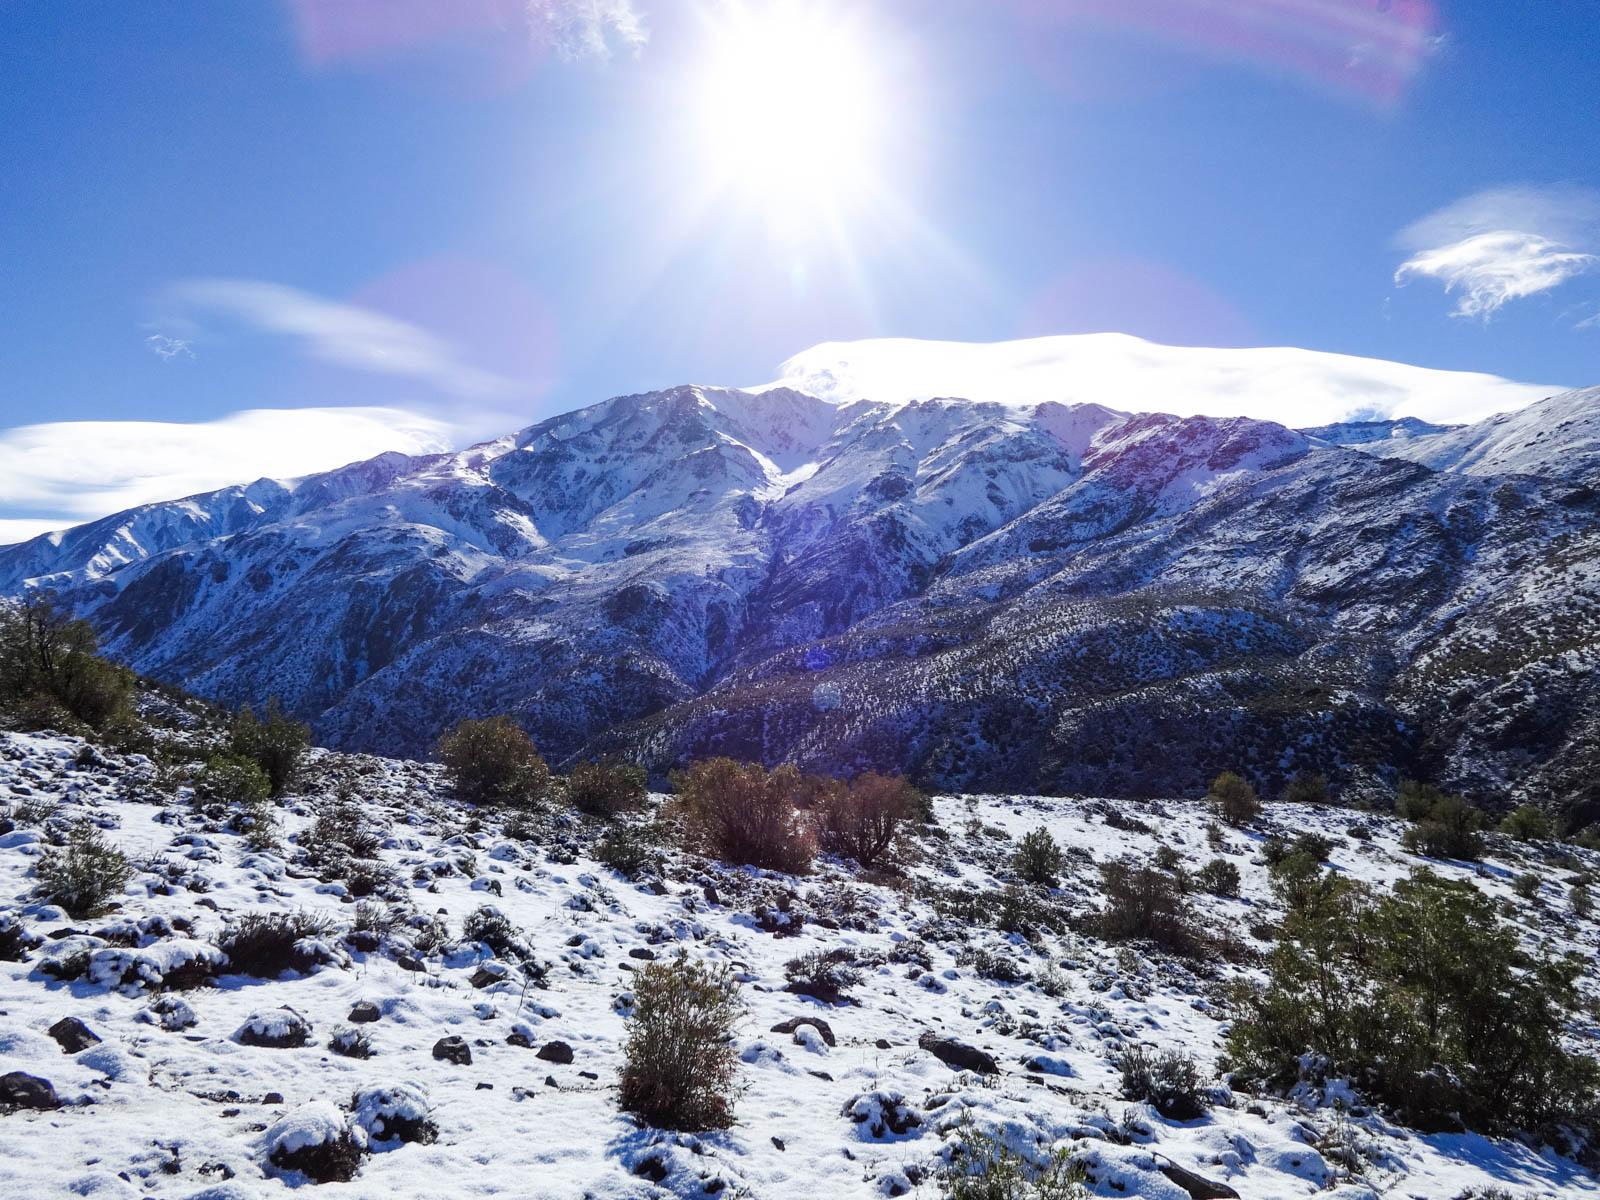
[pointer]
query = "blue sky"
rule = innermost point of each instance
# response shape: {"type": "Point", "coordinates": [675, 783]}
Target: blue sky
{"type": "Point", "coordinates": [468, 214]}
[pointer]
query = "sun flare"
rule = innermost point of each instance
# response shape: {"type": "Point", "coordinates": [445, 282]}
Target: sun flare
{"type": "Point", "coordinates": [790, 110]}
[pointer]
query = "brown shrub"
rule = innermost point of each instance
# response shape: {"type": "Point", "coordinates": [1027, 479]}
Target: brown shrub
{"type": "Point", "coordinates": [606, 788]}
{"type": "Point", "coordinates": [746, 814]}
{"type": "Point", "coordinates": [860, 820]}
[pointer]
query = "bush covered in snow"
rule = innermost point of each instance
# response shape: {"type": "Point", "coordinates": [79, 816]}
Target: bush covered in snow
{"type": "Point", "coordinates": [317, 1141]}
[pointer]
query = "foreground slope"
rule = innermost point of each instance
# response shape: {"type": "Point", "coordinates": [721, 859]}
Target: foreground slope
{"type": "Point", "coordinates": [170, 1103]}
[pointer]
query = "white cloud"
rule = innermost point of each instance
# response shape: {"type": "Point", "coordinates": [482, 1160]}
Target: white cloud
{"type": "Point", "coordinates": [168, 348]}
{"type": "Point", "coordinates": [1504, 244]}
{"type": "Point", "coordinates": [346, 335]}
{"type": "Point", "coordinates": [586, 29]}
{"type": "Point", "coordinates": [67, 472]}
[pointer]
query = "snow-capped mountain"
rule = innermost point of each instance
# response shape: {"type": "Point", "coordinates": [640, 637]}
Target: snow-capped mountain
{"type": "Point", "coordinates": [986, 593]}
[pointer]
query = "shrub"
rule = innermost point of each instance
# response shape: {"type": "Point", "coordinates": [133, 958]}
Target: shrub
{"type": "Point", "coordinates": [1526, 885]}
{"type": "Point", "coordinates": [1529, 824]}
{"type": "Point", "coordinates": [1166, 858]}
{"type": "Point", "coordinates": [340, 833]}
{"type": "Point", "coordinates": [275, 745]}
{"type": "Point", "coordinates": [15, 940]}
{"type": "Point", "coordinates": [984, 1168]}
{"type": "Point", "coordinates": [605, 788]}
{"type": "Point", "coordinates": [1414, 800]}
{"type": "Point", "coordinates": [629, 853]}
{"type": "Point", "coordinates": [231, 779]}
{"type": "Point", "coordinates": [266, 945]}
{"type": "Point", "coordinates": [1307, 787]}
{"type": "Point", "coordinates": [1169, 1082]}
{"type": "Point", "coordinates": [1038, 859]}
{"type": "Point", "coordinates": [679, 1063]}
{"type": "Point", "coordinates": [1579, 900]}
{"type": "Point", "coordinates": [825, 975]}
{"type": "Point", "coordinates": [1142, 902]}
{"type": "Point", "coordinates": [83, 875]}
{"type": "Point", "coordinates": [494, 929]}
{"type": "Point", "coordinates": [860, 820]}
{"type": "Point", "coordinates": [493, 762]}
{"type": "Point", "coordinates": [50, 666]}
{"type": "Point", "coordinates": [1450, 830]}
{"type": "Point", "coordinates": [351, 1043]}
{"type": "Point", "coordinates": [1219, 877]}
{"type": "Point", "coordinates": [1427, 995]}
{"type": "Point", "coordinates": [1233, 799]}
{"type": "Point", "coordinates": [745, 814]}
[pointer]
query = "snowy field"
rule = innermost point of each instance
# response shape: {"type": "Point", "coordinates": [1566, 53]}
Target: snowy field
{"type": "Point", "coordinates": [170, 1103]}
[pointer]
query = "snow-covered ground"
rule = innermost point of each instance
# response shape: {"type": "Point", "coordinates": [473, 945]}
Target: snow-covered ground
{"type": "Point", "coordinates": [192, 1112]}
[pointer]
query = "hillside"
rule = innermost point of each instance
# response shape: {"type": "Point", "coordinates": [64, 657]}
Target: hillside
{"type": "Point", "coordinates": [989, 595]}
{"type": "Point", "coordinates": [170, 1100]}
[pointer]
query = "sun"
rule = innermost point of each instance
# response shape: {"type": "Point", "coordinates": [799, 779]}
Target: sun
{"type": "Point", "coordinates": [790, 111]}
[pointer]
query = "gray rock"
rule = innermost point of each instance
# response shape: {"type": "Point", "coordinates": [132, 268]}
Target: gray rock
{"type": "Point", "coordinates": [958, 1055]}
{"type": "Point", "coordinates": [73, 1035]}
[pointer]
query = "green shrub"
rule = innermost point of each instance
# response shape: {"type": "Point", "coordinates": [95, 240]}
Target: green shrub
{"type": "Point", "coordinates": [1219, 877]}
{"type": "Point", "coordinates": [493, 762]}
{"type": "Point", "coordinates": [1580, 901]}
{"type": "Point", "coordinates": [1307, 787]}
{"type": "Point", "coordinates": [1233, 799]}
{"type": "Point", "coordinates": [859, 820]}
{"type": "Point", "coordinates": [1169, 1082]}
{"type": "Point", "coordinates": [231, 779]}
{"type": "Point", "coordinates": [51, 673]}
{"type": "Point", "coordinates": [629, 853]}
{"type": "Point", "coordinates": [1414, 800]}
{"type": "Point", "coordinates": [679, 1062]}
{"type": "Point", "coordinates": [984, 1168]}
{"type": "Point", "coordinates": [276, 744]}
{"type": "Point", "coordinates": [1038, 859]}
{"type": "Point", "coordinates": [826, 975]}
{"type": "Point", "coordinates": [606, 788]}
{"type": "Point", "coordinates": [1143, 903]}
{"type": "Point", "coordinates": [1427, 996]}
{"type": "Point", "coordinates": [1450, 830]}
{"type": "Point", "coordinates": [746, 814]}
{"type": "Point", "coordinates": [1526, 885]}
{"type": "Point", "coordinates": [1528, 823]}
{"type": "Point", "coordinates": [83, 875]}
{"type": "Point", "coordinates": [264, 945]}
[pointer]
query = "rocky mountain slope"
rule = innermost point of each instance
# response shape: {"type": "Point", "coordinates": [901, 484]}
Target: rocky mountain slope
{"type": "Point", "coordinates": [140, 1059]}
{"type": "Point", "coordinates": [1026, 595]}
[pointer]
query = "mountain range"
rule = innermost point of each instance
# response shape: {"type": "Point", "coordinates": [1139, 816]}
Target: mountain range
{"type": "Point", "coordinates": [1057, 595]}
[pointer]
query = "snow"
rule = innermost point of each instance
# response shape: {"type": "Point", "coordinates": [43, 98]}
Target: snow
{"type": "Point", "coordinates": [169, 1108]}
{"type": "Point", "coordinates": [1291, 386]}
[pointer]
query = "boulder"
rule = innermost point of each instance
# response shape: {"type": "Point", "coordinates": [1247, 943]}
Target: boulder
{"type": "Point", "coordinates": [453, 1049]}
{"type": "Point", "coordinates": [278, 1029]}
{"type": "Point", "coordinates": [817, 1023]}
{"type": "Point", "coordinates": [316, 1141]}
{"type": "Point", "coordinates": [364, 1012]}
{"type": "Point", "coordinates": [556, 1052]}
{"type": "Point", "coordinates": [72, 1035]}
{"type": "Point", "coordinates": [958, 1055]}
{"type": "Point", "coordinates": [20, 1090]}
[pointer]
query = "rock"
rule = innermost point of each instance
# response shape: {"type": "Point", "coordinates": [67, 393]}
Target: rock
{"type": "Point", "coordinates": [1198, 1187]}
{"type": "Point", "coordinates": [652, 1168]}
{"type": "Point", "coordinates": [489, 973]}
{"type": "Point", "coordinates": [556, 1052]}
{"type": "Point", "coordinates": [20, 1090]}
{"type": "Point", "coordinates": [711, 895]}
{"type": "Point", "coordinates": [453, 1049]}
{"type": "Point", "coordinates": [364, 1012]}
{"type": "Point", "coordinates": [278, 1029]}
{"type": "Point", "coordinates": [409, 962]}
{"type": "Point", "coordinates": [169, 1012]}
{"type": "Point", "coordinates": [72, 1035]}
{"type": "Point", "coordinates": [778, 1142]}
{"type": "Point", "coordinates": [518, 1038]}
{"type": "Point", "coordinates": [272, 1098]}
{"type": "Point", "coordinates": [642, 954]}
{"type": "Point", "coordinates": [817, 1023]}
{"type": "Point", "coordinates": [958, 1056]}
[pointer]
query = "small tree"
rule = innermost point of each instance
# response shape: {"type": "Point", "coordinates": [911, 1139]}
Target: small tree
{"type": "Point", "coordinates": [1219, 877]}
{"type": "Point", "coordinates": [1307, 787]}
{"type": "Point", "coordinates": [50, 666]}
{"type": "Point", "coordinates": [1233, 799]}
{"type": "Point", "coordinates": [607, 788]}
{"type": "Point", "coordinates": [1038, 859]}
{"type": "Point", "coordinates": [276, 744]}
{"type": "Point", "coordinates": [493, 762]}
{"type": "Point", "coordinates": [746, 814]}
{"type": "Point", "coordinates": [860, 820]}
{"type": "Point", "coordinates": [83, 875]}
{"type": "Point", "coordinates": [1529, 823]}
{"type": "Point", "coordinates": [679, 1062]}
{"type": "Point", "coordinates": [231, 779]}
{"type": "Point", "coordinates": [1143, 902]}
{"type": "Point", "coordinates": [1450, 830]}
